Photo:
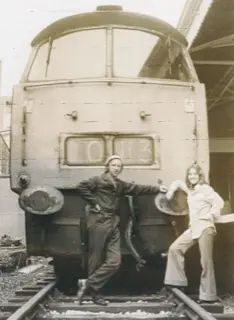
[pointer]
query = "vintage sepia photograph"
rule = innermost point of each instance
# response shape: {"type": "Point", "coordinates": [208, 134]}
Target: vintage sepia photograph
{"type": "Point", "coordinates": [117, 159]}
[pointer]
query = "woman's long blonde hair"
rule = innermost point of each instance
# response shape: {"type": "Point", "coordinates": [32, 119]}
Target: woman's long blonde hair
{"type": "Point", "coordinates": [200, 172]}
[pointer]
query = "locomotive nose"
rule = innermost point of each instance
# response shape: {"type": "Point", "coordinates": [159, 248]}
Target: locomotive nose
{"type": "Point", "coordinates": [41, 200]}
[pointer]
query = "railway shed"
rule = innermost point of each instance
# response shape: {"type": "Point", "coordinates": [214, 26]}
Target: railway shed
{"type": "Point", "coordinates": [209, 27]}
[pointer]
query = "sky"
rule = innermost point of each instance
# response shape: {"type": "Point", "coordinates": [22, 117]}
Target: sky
{"type": "Point", "coordinates": [21, 20]}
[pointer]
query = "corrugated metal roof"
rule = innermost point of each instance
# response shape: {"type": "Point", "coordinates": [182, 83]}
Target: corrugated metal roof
{"type": "Point", "coordinates": [192, 18]}
{"type": "Point", "coordinates": [218, 22]}
{"type": "Point", "coordinates": [209, 47]}
{"type": "Point", "coordinates": [209, 28]}
{"type": "Point", "coordinates": [212, 52]}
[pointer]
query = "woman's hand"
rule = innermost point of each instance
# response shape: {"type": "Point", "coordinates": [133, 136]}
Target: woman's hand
{"type": "Point", "coordinates": [169, 194]}
{"type": "Point", "coordinates": [175, 185]}
{"type": "Point", "coordinates": [163, 188]}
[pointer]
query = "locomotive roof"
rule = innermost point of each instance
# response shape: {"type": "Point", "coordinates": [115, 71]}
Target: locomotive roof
{"type": "Point", "coordinates": [110, 16]}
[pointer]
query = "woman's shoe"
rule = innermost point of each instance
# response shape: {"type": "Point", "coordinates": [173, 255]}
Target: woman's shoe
{"type": "Point", "coordinates": [175, 287]}
{"type": "Point", "coordinates": [207, 301]}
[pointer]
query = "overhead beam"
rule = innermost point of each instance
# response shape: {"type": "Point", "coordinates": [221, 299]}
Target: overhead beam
{"type": "Point", "coordinates": [218, 43]}
{"type": "Point", "coordinates": [217, 94]}
{"type": "Point", "coordinates": [188, 14]}
{"type": "Point", "coordinates": [214, 62]}
{"type": "Point", "coordinates": [221, 103]}
{"type": "Point", "coordinates": [223, 99]}
{"type": "Point", "coordinates": [221, 83]}
{"type": "Point", "coordinates": [222, 91]}
{"type": "Point", "coordinates": [221, 145]}
{"type": "Point", "coordinates": [231, 91]}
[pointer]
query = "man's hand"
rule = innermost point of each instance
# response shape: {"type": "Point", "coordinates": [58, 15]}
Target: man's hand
{"type": "Point", "coordinates": [97, 208]}
{"type": "Point", "coordinates": [163, 188]}
{"type": "Point", "coordinates": [140, 264]}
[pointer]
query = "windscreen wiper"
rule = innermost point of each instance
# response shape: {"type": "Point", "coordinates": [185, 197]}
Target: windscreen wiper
{"type": "Point", "coordinates": [48, 56]}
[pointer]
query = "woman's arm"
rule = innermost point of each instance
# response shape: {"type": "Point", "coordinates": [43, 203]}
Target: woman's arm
{"type": "Point", "coordinates": [215, 201]}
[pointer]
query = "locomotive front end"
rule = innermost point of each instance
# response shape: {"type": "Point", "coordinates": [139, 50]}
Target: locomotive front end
{"type": "Point", "coordinates": [97, 84]}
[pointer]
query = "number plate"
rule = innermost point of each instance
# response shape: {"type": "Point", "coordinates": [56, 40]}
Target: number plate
{"type": "Point", "coordinates": [135, 150]}
{"type": "Point", "coordinates": [84, 151]}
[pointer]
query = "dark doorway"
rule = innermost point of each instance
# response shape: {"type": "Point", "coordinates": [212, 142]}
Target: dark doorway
{"type": "Point", "coordinates": [222, 177]}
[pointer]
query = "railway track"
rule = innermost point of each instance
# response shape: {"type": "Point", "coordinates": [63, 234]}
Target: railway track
{"type": "Point", "coordinates": [40, 301]}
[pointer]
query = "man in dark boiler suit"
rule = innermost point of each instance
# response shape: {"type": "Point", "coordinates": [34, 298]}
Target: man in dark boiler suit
{"type": "Point", "coordinates": [102, 194]}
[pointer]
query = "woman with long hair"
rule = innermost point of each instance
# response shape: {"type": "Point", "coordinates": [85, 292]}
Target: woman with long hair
{"type": "Point", "coordinates": [204, 206]}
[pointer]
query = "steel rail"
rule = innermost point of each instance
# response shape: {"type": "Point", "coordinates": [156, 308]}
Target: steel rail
{"type": "Point", "coordinates": [191, 305]}
{"type": "Point", "coordinates": [23, 311]}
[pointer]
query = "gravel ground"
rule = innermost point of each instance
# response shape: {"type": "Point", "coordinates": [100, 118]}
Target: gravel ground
{"type": "Point", "coordinates": [228, 302]}
{"type": "Point", "coordinates": [9, 282]}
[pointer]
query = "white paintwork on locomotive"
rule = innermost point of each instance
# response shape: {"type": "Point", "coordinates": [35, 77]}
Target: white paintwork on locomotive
{"type": "Point", "coordinates": [102, 108]}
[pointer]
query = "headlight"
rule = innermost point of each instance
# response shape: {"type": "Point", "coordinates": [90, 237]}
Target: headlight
{"type": "Point", "coordinates": [41, 200]}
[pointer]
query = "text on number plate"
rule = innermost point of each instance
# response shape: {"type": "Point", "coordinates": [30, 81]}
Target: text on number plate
{"type": "Point", "coordinates": [135, 150]}
{"type": "Point", "coordinates": [92, 150]}
{"type": "Point", "coordinates": [84, 151]}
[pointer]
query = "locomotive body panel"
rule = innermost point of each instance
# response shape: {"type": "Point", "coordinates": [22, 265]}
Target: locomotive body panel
{"type": "Point", "coordinates": [105, 113]}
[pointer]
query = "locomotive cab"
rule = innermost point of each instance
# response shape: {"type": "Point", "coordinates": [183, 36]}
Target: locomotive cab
{"type": "Point", "coordinates": [96, 84]}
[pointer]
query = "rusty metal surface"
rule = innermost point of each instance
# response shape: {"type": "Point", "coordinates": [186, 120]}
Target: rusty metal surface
{"type": "Point", "coordinates": [192, 309]}
{"type": "Point", "coordinates": [174, 304]}
{"type": "Point", "coordinates": [113, 307]}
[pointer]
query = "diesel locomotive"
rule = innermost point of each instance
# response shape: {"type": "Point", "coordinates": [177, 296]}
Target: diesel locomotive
{"type": "Point", "coordinates": [96, 84]}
